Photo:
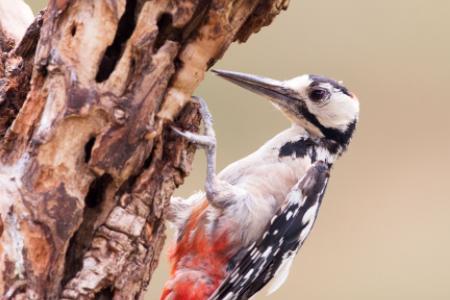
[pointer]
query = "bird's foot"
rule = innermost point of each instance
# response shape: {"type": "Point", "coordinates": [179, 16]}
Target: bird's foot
{"type": "Point", "coordinates": [206, 140]}
{"type": "Point", "coordinates": [217, 192]}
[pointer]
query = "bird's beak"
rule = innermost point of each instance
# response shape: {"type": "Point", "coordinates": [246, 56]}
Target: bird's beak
{"type": "Point", "coordinates": [276, 90]}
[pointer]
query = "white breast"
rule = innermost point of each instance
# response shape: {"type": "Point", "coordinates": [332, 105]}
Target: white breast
{"type": "Point", "coordinates": [267, 179]}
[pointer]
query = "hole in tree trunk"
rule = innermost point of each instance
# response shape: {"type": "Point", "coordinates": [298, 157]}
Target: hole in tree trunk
{"type": "Point", "coordinates": [148, 161]}
{"type": "Point", "coordinates": [114, 52]}
{"type": "Point", "coordinates": [97, 190]}
{"type": "Point", "coordinates": [105, 294]}
{"type": "Point", "coordinates": [178, 63]}
{"type": "Point", "coordinates": [166, 31]}
{"type": "Point", "coordinates": [88, 149]}
{"type": "Point", "coordinates": [83, 236]}
{"type": "Point", "coordinates": [73, 29]}
{"type": "Point", "coordinates": [42, 69]}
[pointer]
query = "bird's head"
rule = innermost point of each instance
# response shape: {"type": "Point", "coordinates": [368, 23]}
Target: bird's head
{"type": "Point", "coordinates": [322, 106]}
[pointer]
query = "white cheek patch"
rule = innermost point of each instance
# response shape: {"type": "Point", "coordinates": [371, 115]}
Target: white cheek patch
{"type": "Point", "coordinates": [340, 111]}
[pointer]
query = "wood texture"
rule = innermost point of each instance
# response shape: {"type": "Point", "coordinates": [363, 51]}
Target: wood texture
{"type": "Point", "coordinates": [88, 159]}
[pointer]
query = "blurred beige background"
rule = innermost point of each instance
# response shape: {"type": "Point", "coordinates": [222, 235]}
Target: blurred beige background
{"type": "Point", "coordinates": [384, 228]}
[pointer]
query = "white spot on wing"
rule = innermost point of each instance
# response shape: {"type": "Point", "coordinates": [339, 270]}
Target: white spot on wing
{"type": "Point", "coordinates": [267, 252]}
{"type": "Point", "coordinates": [309, 219]}
{"type": "Point", "coordinates": [289, 215]}
{"type": "Point", "coordinates": [249, 273]}
{"type": "Point", "coordinates": [251, 246]}
{"type": "Point", "coordinates": [234, 277]}
{"type": "Point", "coordinates": [229, 296]}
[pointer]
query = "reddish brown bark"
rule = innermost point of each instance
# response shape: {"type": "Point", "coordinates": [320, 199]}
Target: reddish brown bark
{"type": "Point", "coordinates": [88, 160]}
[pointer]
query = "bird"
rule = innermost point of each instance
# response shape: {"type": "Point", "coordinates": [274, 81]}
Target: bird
{"type": "Point", "coordinates": [245, 229]}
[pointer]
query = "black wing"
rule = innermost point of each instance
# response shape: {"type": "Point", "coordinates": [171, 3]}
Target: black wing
{"type": "Point", "coordinates": [284, 236]}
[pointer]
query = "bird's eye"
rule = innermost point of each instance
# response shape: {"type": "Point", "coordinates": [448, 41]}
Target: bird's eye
{"type": "Point", "coordinates": [318, 95]}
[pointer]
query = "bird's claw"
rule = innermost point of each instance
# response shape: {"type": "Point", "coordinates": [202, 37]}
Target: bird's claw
{"type": "Point", "coordinates": [198, 139]}
{"type": "Point", "coordinates": [208, 140]}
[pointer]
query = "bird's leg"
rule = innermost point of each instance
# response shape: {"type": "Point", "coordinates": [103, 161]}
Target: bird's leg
{"type": "Point", "coordinates": [206, 141]}
{"type": "Point", "coordinates": [218, 192]}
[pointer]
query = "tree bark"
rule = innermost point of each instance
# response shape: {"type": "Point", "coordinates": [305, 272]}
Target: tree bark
{"type": "Point", "coordinates": [88, 159]}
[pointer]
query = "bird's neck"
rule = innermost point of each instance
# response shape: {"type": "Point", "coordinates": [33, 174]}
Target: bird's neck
{"type": "Point", "coordinates": [298, 142]}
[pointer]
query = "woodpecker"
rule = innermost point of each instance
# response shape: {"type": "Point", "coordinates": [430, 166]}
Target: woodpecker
{"type": "Point", "coordinates": [253, 217]}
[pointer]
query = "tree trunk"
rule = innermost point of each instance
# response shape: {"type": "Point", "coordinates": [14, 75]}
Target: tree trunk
{"type": "Point", "coordinates": [88, 159]}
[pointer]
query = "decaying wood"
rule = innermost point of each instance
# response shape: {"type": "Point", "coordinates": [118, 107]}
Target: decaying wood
{"type": "Point", "coordinates": [15, 57]}
{"type": "Point", "coordinates": [88, 159]}
{"type": "Point", "coordinates": [16, 67]}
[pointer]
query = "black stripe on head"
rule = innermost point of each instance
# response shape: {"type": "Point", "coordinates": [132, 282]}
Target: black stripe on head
{"type": "Point", "coordinates": [317, 79]}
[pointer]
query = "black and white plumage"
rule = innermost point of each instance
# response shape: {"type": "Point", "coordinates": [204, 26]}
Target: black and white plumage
{"type": "Point", "coordinates": [254, 216]}
{"type": "Point", "coordinates": [286, 232]}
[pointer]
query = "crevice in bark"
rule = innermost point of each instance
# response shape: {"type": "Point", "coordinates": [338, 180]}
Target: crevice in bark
{"type": "Point", "coordinates": [148, 161]}
{"type": "Point", "coordinates": [88, 149]}
{"type": "Point", "coordinates": [166, 31]}
{"type": "Point", "coordinates": [73, 29]}
{"type": "Point", "coordinates": [156, 225]}
{"type": "Point", "coordinates": [177, 63]}
{"type": "Point", "coordinates": [199, 15]}
{"type": "Point", "coordinates": [105, 294]}
{"type": "Point", "coordinates": [127, 186]}
{"type": "Point", "coordinates": [97, 190]}
{"type": "Point", "coordinates": [73, 262]}
{"type": "Point", "coordinates": [113, 53]}
{"type": "Point", "coordinates": [42, 69]}
{"type": "Point", "coordinates": [83, 236]}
